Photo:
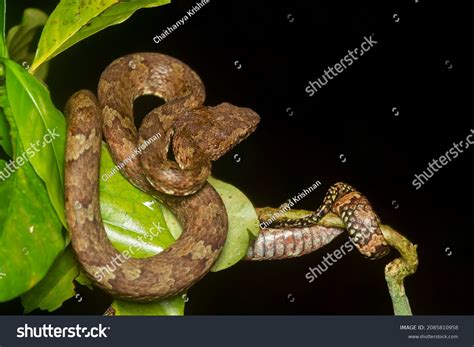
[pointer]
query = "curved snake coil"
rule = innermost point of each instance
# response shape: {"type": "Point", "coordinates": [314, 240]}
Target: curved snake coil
{"type": "Point", "coordinates": [295, 237]}
{"type": "Point", "coordinates": [197, 136]}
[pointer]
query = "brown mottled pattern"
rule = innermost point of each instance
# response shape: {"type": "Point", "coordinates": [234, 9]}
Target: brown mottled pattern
{"type": "Point", "coordinates": [197, 135]}
{"type": "Point", "coordinates": [362, 224]}
{"type": "Point", "coordinates": [295, 237]}
{"type": "Point", "coordinates": [200, 134]}
{"type": "Point", "coordinates": [202, 213]}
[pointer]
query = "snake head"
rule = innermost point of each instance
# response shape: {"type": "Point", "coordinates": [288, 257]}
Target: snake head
{"type": "Point", "coordinates": [218, 129]}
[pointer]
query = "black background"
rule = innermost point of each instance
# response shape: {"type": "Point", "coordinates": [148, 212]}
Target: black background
{"type": "Point", "coordinates": [409, 68]}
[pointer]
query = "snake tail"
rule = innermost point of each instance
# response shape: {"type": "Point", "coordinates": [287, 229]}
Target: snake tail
{"type": "Point", "coordinates": [294, 237]}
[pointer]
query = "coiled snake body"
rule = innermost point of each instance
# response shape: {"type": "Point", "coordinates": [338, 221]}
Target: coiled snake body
{"type": "Point", "coordinates": [198, 135]}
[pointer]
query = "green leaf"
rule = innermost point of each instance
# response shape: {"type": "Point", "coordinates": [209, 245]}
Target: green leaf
{"type": "Point", "coordinates": [134, 221]}
{"type": "Point", "coordinates": [172, 222]}
{"type": "Point", "coordinates": [20, 40]}
{"type": "Point", "coordinates": [21, 36]}
{"type": "Point", "coordinates": [73, 21]}
{"type": "Point", "coordinates": [84, 280]}
{"type": "Point", "coordinates": [130, 214]}
{"type": "Point", "coordinates": [168, 307]}
{"type": "Point", "coordinates": [5, 140]}
{"type": "Point", "coordinates": [3, 47]}
{"type": "Point", "coordinates": [38, 121]}
{"type": "Point", "coordinates": [30, 232]}
{"type": "Point", "coordinates": [56, 287]}
{"type": "Point", "coordinates": [243, 224]}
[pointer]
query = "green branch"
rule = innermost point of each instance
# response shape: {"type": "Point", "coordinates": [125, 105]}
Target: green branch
{"type": "Point", "coordinates": [395, 272]}
{"type": "Point", "coordinates": [398, 269]}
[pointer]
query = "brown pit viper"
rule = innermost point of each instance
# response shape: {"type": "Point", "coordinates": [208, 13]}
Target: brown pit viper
{"type": "Point", "coordinates": [197, 135]}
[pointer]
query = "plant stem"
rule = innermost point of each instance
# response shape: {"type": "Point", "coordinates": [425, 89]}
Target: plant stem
{"type": "Point", "coordinates": [395, 272]}
{"type": "Point", "coordinates": [398, 269]}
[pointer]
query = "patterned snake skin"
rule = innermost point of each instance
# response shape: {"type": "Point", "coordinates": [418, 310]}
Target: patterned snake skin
{"type": "Point", "coordinates": [197, 135]}
{"type": "Point", "coordinates": [295, 237]}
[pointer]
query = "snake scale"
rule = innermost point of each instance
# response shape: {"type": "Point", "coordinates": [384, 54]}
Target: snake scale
{"type": "Point", "coordinates": [196, 135]}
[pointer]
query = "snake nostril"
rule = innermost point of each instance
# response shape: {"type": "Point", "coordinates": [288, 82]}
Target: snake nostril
{"type": "Point", "coordinates": [143, 105]}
